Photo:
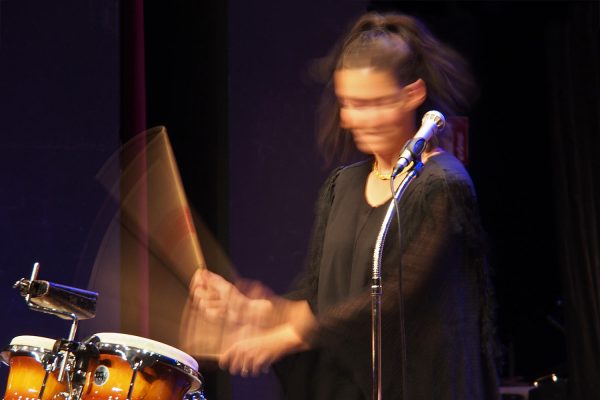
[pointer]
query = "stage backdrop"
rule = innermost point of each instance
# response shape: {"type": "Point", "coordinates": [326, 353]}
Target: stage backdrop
{"type": "Point", "coordinates": [59, 107]}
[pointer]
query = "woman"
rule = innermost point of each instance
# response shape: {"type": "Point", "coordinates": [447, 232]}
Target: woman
{"type": "Point", "coordinates": [385, 74]}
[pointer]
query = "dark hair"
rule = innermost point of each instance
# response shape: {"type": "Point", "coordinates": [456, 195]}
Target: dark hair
{"type": "Point", "coordinates": [403, 45]}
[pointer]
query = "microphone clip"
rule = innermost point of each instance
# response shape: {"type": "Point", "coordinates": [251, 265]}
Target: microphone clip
{"type": "Point", "coordinates": [415, 147]}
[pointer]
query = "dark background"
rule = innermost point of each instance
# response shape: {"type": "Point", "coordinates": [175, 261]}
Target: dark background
{"type": "Point", "coordinates": [230, 81]}
{"type": "Point", "coordinates": [59, 107]}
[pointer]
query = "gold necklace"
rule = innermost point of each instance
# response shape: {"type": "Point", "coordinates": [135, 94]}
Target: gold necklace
{"type": "Point", "coordinates": [379, 175]}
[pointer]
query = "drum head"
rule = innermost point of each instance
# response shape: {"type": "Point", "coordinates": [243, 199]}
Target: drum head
{"type": "Point", "coordinates": [148, 345]}
{"type": "Point", "coordinates": [33, 341]}
{"type": "Point", "coordinates": [36, 346]}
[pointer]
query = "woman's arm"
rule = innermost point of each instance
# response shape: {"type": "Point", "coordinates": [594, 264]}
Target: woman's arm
{"type": "Point", "coordinates": [248, 303]}
{"type": "Point", "coordinates": [255, 353]}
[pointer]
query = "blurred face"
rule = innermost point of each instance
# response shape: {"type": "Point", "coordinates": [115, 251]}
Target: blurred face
{"type": "Point", "coordinates": [373, 107]}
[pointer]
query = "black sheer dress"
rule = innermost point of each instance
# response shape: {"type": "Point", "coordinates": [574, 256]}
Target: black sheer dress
{"type": "Point", "coordinates": [440, 258]}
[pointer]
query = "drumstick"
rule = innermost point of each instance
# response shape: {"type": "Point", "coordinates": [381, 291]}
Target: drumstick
{"type": "Point", "coordinates": [167, 230]}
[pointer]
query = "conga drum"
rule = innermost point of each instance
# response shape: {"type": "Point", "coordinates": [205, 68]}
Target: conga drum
{"type": "Point", "coordinates": [135, 368]}
{"type": "Point", "coordinates": [33, 369]}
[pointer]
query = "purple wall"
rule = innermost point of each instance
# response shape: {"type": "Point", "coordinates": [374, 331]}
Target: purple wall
{"type": "Point", "coordinates": [59, 107]}
{"type": "Point", "coordinates": [275, 168]}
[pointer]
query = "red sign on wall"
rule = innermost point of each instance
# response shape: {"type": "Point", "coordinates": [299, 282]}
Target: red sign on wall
{"type": "Point", "coordinates": [458, 137]}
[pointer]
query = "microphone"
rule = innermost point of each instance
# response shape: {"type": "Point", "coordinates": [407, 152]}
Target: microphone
{"type": "Point", "coordinates": [432, 123]}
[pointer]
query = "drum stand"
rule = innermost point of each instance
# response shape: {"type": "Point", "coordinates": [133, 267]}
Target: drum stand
{"type": "Point", "coordinates": [67, 303]}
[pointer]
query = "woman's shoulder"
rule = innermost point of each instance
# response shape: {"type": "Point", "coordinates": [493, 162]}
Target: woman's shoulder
{"type": "Point", "coordinates": [342, 177]}
{"type": "Point", "coordinates": [444, 178]}
{"type": "Point", "coordinates": [348, 173]}
{"type": "Point", "coordinates": [446, 170]}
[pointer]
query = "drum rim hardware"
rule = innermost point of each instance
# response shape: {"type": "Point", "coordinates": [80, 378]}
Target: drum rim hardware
{"type": "Point", "coordinates": [139, 358]}
{"type": "Point", "coordinates": [41, 354]}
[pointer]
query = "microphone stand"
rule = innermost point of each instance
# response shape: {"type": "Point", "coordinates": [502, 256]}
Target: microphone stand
{"type": "Point", "coordinates": [376, 283]}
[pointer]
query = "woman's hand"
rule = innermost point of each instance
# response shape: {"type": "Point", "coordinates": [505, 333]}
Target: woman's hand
{"type": "Point", "coordinates": [256, 349]}
{"type": "Point", "coordinates": [212, 295]}
{"type": "Point", "coordinates": [217, 299]}
{"type": "Point", "coordinates": [255, 354]}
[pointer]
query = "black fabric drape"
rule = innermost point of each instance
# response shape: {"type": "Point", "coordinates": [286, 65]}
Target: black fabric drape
{"type": "Point", "coordinates": [574, 64]}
